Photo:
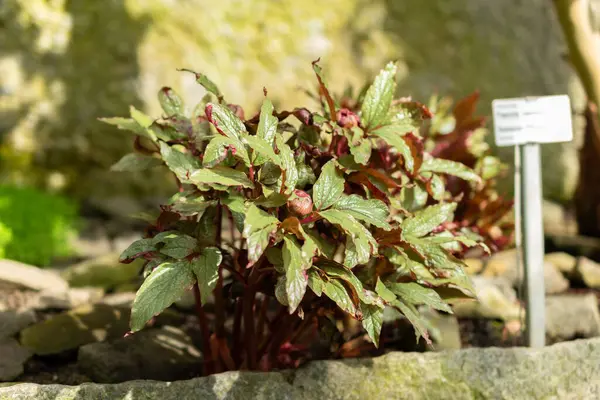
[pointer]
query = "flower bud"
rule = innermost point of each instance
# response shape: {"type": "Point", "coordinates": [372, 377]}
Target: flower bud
{"type": "Point", "coordinates": [347, 119]}
{"type": "Point", "coordinates": [301, 205]}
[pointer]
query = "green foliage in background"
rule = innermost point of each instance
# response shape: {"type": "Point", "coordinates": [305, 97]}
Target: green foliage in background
{"type": "Point", "coordinates": [35, 226]}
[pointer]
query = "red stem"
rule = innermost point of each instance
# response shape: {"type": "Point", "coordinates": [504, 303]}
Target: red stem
{"type": "Point", "coordinates": [203, 322]}
{"type": "Point", "coordinates": [260, 325]}
{"type": "Point", "coordinates": [273, 326]}
{"type": "Point", "coordinates": [231, 226]}
{"type": "Point", "coordinates": [279, 338]}
{"type": "Point", "coordinates": [237, 333]}
{"type": "Point", "coordinates": [249, 335]}
{"type": "Point", "coordinates": [311, 218]}
{"type": "Point", "coordinates": [218, 292]}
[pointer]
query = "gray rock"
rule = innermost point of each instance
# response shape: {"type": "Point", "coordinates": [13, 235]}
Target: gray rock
{"type": "Point", "coordinates": [12, 358]}
{"type": "Point", "coordinates": [162, 354]}
{"type": "Point", "coordinates": [505, 264]}
{"type": "Point", "coordinates": [60, 299]}
{"type": "Point", "coordinates": [12, 322]}
{"type": "Point", "coordinates": [563, 371]}
{"type": "Point", "coordinates": [556, 221]}
{"type": "Point", "coordinates": [71, 298]}
{"type": "Point", "coordinates": [564, 262]}
{"type": "Point", "coordinates": [17, 275]}
{"type": "Point", "coordinates": [495, 299]}
{"type": "Point", "coordinates": [124, 299]}
{"type": "Point", "coordinates": [444, 330]}
{"type": "Point", "coordinates": [105, 271]}
{"type": "Point", "coordinates": [69, 330]}
{"type": "Point", "coordinates": [581, 245]}
{"type": "Point", "coordinates": [554, 280]}
{"type": "Point", "coordinates": [589, 272]}
{"type": "Point", "coordinates": [572, 316]}
{"type": "Point", "coordinates": [15, 299]}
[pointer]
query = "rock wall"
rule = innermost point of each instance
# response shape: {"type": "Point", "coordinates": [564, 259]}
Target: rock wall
{"type": "Point", "coordinates": [564, 371]}
{"type": "Point", "coordinates": [65, 63]}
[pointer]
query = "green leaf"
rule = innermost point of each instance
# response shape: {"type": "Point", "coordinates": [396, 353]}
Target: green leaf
{"type": "Point", "coordinates": [411, 313]}
{"type": "Point", "coordinates": [160, 237]}
{"type": "Point", "coordinates": [361, 151]}
{"type": "Point", "coordinates": [364, 243]}
{"type": "Point", "coordinates": [434, 254]}
{"type": "Point", "coordinates": [426, 220]}
{"type": "Point", "coordinates": [306, 176]}
{"type": "Point", "coordinates": [274, 200]}
{"type": "Point", "coordinates": [414, 198]}
{"type": "Point", "coordinates": [189, 207]}
{"type": "Point", "coordinates": [335, 270]}
{"type": "Point", "coordinates": [354, 256]}
{"type": "Point", "coordinates": [236, 205]}
{"type": "Point", "coordinates": [133, 162]}
{"type": "Point", "coordinates": [167, 131]}
{"type": "Point", "coordinates": [221, 175]}
{"type": "Point", "coordinates": [448, 238]}
{"type": "Point", "coordinates": [287, 163]}
{"type": "Point", "coordinates": [329, 187]}
{"type": "Point", "coordinates": [416, 294]}
{"type": "Point", "coordinates": [296, 277]}
{"type": "Point", "coordinates": [372, 321]}
{"type": "Point", "coordinates": [370, 211]}
{"type": "Point", "coordinates": [263, 151]}
{"type": "Point", "coordinates": [336, 291]}
{"type": "Point", "coordinates": [270, 174]}
{"type": "Point", "coordinates": [257, 219]}
{"type": "Point", "coordinates": [315, 282]}
{"type": "Point", "coordinates": [178, 245]}
{"type": "Point", "coordinates": [409, 115]}
{"type": "Point", "coordinates": [377, 101]}
{"type": "Point", "coordinates": [206, 268]}
{"type": "Point", "coordinates": [141, 118]}
{"type": "Point", "coordinates": [392, 137]}
{"type": "Point", "coordinates": [324, 247]}
{"type": "Point", "coordinates": [206, 230]}
{"type": "Point", "coordinates": [165, 285]}
{"type": "Point", "coordinates": [449, 167]}
{"type": "Point", "coordinates": [258, 226]}
{"type": "Point", "coordinates": [131, 125]}
{"type": "Point", "coordinates": [384, 292]}
{"type": "Point", "coordinates": [170, 101]}
{"type": "Point", "coordinates": [226, 122]}
{"type": "Point", "coordinates": [209, 85]}
{"type": "Point", "coordinates": [182, 164]}
{"type": "Point", "coordinates": [138, 247]}
{"type": "Point", "coordinates": [218, 148]}
{"type": "Point", "coordinates": [267, 125]}
{"type": "Point", "coordinates": [275, 257]}
{"type": "Point", "coordinates": [257, 242]}
{"type": "Point", "coordinates": [436, 187]}
{"type": "Point", "coordinates": [281, 291]}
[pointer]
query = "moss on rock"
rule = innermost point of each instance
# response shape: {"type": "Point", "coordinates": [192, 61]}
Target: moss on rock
{"type": "Point", "coordinates": [567, 370]}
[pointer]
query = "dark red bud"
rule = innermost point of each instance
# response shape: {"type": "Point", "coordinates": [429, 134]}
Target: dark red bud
{"type": "Point", "coordinates": [347, 119]}
{"type": "Point", "coordinates": [208, 112]}
{"type": "Point", "coordinates": [237, 110]}
{"type": "Point", "coordinates": [302, 204]}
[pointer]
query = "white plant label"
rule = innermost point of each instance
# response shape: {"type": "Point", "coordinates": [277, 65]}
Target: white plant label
{"type": "Point", "coordinates": [545, 119]}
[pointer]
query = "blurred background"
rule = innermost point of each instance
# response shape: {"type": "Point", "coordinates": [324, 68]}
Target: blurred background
{"type": "Point", "coordinates": [65, 63]}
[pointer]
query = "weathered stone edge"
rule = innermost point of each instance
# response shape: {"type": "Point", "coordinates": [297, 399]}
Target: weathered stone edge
{"type": "Point", "coordinates": [569, 370]}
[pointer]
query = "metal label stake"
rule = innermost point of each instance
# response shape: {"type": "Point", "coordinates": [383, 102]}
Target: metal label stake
{"type": "Point", "coordinates": [526, 123]}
